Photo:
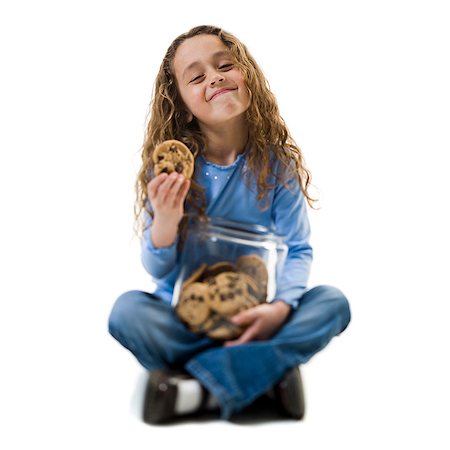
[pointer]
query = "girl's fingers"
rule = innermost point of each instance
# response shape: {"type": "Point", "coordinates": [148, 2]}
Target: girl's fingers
{"type": "Point", "coordinates": [248, 335]}
{"type": "Point", "coordinates": [183, 191]}
{"type": "Point", "coordinates": [163, 190]}
{"type": "Point", "coordinates": [174, 190]}
{"type": "Point", "coordinates": [245, 317]}
{"type": "Point", "coordinates": [155, 183]}
{"type": "Point", "coordinates": [168, 188]}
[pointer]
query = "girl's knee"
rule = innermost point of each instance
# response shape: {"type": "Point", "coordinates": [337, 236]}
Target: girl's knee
{"type": "Point", "coordinates": [341, 304]}
{"type": "Point", "coordinates": [123, 312]}
{"type": "Point", "coordinates": [339, 301]}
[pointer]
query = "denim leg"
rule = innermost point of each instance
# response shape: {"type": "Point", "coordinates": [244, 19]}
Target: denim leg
{"type": "Point", "coordinates": [150, 329]}
{"type": "Point", "coordinates": [236, 376]}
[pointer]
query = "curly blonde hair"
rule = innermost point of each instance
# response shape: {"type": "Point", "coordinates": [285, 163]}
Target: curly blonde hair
{"type": "Point", "coordinates": [268, 133]}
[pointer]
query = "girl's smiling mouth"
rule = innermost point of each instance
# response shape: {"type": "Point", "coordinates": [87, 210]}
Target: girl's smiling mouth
{"type": "Point", "coordinates": [220, 92]}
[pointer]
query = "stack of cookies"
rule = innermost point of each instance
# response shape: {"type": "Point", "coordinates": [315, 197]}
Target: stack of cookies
{"type": "Point", "coordinates": [212, 295]}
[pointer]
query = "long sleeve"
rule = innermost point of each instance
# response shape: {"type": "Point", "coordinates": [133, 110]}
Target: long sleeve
{"type": "Point", "coordinates": [289, 213]}
{"type": "Point", "coordinates": [158, 262]}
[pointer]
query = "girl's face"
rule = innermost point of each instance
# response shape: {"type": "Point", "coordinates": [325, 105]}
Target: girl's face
{"type": "Point", "coordinates": [210, 84]}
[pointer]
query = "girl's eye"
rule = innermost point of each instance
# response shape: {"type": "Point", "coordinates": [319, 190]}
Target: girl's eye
{"type": "Point", "coordinates": [224, 67]}
{"type": "Point", "coordinates": [197, 78]}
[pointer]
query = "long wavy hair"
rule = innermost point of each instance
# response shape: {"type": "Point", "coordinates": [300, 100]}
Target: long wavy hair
{"type": "Point", "coordinates": [268, 134]}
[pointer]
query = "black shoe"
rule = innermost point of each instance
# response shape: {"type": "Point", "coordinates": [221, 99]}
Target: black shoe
{"type": "Point", "coordinates": [160, 396]}
{"type": "Point", "coordinates": [289, 394]}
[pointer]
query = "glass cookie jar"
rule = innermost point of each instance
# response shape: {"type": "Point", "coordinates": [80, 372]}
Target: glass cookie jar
{"type": "Point", "coordinates": [226, 267]}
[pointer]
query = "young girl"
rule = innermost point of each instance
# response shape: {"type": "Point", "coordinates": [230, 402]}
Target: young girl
{"type": "Point", "coordinates": [211, 95]}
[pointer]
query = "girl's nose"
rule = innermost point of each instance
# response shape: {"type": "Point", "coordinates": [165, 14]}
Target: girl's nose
{"type": "Point", "coordinates": [217, 78]}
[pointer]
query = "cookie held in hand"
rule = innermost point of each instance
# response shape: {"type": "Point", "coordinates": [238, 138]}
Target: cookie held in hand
{"type": "Point", "coordinates": [173, 156]}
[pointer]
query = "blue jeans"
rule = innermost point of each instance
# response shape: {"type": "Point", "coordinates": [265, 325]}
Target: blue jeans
{"type": "Point", "coordinates": [236, 376]}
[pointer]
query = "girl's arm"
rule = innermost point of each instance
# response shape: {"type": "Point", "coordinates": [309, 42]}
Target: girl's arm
{"type": "Point", "coordinates": [289, 215]}
{"type": "Point", "coordinates": [291, 220]}
{"type": "Point", "coordinates": [166, 194]}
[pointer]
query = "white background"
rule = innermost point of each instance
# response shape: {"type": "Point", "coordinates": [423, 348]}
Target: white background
{"type": "Point", "coordinates": [364, 89]}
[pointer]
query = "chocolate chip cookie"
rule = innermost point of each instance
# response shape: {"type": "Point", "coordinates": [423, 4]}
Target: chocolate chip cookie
{"type": "Point", "coordinates": [197, 275]}
{"type": "Point", "coordinates": [223, 329]}
{"type": "Point", "coordinates": [212, 295]}
{"type": "Point", "coordinates": [228, 293]}
{"type": "Point", "coordinates": [173, 156]}
{"type": "Point", "coordinates": [193, 307]}
{"type": "Point", "coordinates": [215, 269]}
{"type": "Point", "coordinates": [254, 267]}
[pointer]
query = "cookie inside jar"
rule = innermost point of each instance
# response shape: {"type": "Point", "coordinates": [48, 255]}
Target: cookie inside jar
{"type": "Point", "coordinates": [227, 269]}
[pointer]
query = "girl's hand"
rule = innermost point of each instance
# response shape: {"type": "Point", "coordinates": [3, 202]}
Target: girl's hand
{"type": "Point", "coordinates": [262, 322]}
{"type": "Point", "coordinates": [167, 194]}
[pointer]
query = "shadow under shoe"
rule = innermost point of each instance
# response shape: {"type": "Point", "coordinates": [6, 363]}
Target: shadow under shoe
{"type": "Point", "coordinates": [289, 394]}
